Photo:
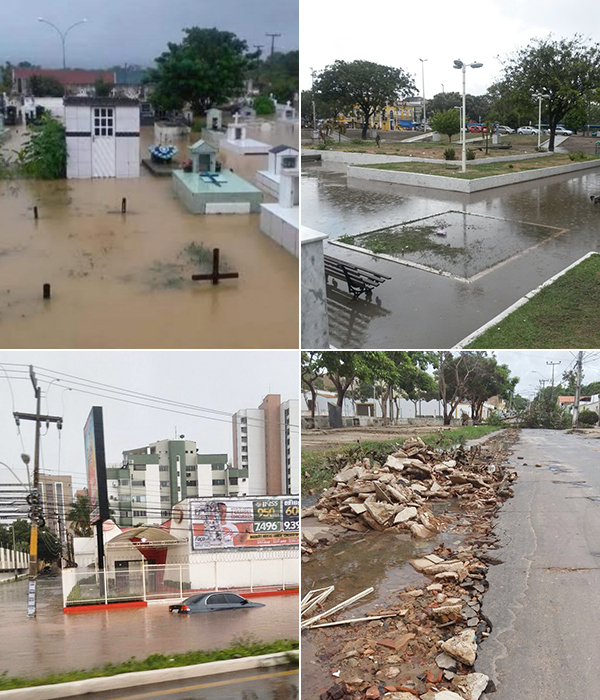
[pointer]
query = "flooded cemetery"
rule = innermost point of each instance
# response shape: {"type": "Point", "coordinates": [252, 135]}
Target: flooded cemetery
{"type": "Point", "coordinates": [454, 260]}
{"type": "Point", "coordinates": [395, 555]}
{"type": "Point", "coordinates": [119, 255]}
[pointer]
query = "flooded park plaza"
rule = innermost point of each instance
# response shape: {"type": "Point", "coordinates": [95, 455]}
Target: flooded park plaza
{"type": "Point", "coordinates": [124, 280]}
{"type": "Point", "coordinates": [58, 642]}
{"type": "Point", "coordinates": [455, 260]}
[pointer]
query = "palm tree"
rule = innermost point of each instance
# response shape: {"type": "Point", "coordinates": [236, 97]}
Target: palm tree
{"type": "Point", "coordinates": [79, 517]}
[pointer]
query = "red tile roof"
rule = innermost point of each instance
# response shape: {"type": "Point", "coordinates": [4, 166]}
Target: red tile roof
{"type": "Point", "coordinates": [67, 77]}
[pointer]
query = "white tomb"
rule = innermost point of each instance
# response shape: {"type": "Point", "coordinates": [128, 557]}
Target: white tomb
{"type": "Point", "coordinates": [214, 119]}
{"type": "Point", "coordinates": [237, 141]}
{"type": "Point", "coordinates": [103, 137]}
{"type": "Point", "coordinates": [285, 113]}
{"type": "Point", "coordinates": [281, 220]}
{"type": "Point", "coordinates": [282, 159]}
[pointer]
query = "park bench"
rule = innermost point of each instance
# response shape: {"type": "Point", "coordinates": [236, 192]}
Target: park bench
{"type": "Point", "coordinates": [359, 279]}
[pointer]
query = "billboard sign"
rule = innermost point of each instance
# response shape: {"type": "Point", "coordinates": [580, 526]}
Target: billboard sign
{"type": "Point", "coordinates": [93, 437]}
{"type": "Point", "coordinates": [244, 522]}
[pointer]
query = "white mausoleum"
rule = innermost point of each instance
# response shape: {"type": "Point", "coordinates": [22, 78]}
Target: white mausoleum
{"type": "Point", "coordinates": [103, 137]}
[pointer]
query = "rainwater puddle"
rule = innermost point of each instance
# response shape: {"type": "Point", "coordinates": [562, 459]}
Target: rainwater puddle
{"type": "Point", "coordinates": [58, 642]}
{"type": "Point", "coordinates": [352, 564]}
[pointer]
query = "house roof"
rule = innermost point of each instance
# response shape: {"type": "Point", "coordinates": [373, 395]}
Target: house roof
{"type": "Point", "coordinates": [283, 147]}
{"type": "Point", "coordinates": [101, 101]}
{"type": "Point", "coordinates": [67, 77]}
{"type": "Point", "coordinates": [571, 399]}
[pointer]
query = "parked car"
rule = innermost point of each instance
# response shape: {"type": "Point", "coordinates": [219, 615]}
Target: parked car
{"type": "Point", "coordinates": [210, 602]}
{"type": "Point", "coordinates": [527, 130]}
{"type": "Point", "coordinates": [561, 131]}
{"type": "Point", "coordinates": [502, 129]}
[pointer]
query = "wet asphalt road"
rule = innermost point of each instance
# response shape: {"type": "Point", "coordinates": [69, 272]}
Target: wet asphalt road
{"type": "Point", "coordinates": [274, 684]}
{"type": "Point", "coordinates": [418, 309]}
{"type": "Point", "coordinates": [544, 601]}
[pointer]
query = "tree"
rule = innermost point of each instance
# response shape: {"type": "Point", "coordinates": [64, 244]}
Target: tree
{"type": "Point", "coordinates": [564, 69]}
{"type": "Point", "coordinates": [79, 517]}
{"type": "Point", "coordinates": [263, 105]}
{"type": "Point", "coordinates": [49, 547]}
{"type": "Point", "coordinates": [44, 156]}
{"type": "Point", "coordinates": [6, 80]}
{"type": "Point", "coordinates": [490, 379]}
{"type": "Point", "coordinates": [447, 123]}
{"type": "Point", "coordinates": [101, 88]}
{"type": "Point", "coordinates": [208, 67]}
{"type": "Point", "coordinates": [370, 86]}
{"type": "Point", "coordinates": [278, 75]}
{"type": "Point", "coordinates": [344, 367]}
{"type": "Point", "coordinates": [46, 86]}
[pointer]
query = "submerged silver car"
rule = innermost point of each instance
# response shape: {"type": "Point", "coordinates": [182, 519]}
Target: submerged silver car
{"type": "Point", "coordinates": [210, 602]}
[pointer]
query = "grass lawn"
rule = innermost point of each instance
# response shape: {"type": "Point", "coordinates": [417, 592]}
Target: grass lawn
{"type": "Point", "coordinates": [244, 648]}
{"type": "Point", "coordinates": [565, 314]}
{"type": "Point", "coordinates": [479, 170]}
{"type": "Point", "coordinates": [317, 470]}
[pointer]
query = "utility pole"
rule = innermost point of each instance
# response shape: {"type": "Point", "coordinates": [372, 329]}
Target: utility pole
{"type": "Point", "coordinates": [33, 499]}
{"type": "Point", "coordinates": [548, 362]}
{"type": "Point", "coordinates": [578, 388]}
{"type": "Point", "coordinates": [272, 41]}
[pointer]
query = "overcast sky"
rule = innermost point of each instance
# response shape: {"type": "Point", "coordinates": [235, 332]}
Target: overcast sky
{"type": "Point", "coordinates": [221, 380]}
{"type": "Point", "coordinates": [398, 34]}
{"type": "Point", "coordinates": [134, 31]}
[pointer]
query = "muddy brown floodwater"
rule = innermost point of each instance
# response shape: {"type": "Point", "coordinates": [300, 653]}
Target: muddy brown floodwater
{"type": "Point", "coordinates": [124, 281]}
{"type": "Point", "coordinates": [58, 642]}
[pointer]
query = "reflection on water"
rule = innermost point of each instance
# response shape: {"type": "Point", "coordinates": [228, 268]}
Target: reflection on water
{"type": "Point", "coordinates": [100, 265]}
{"type": "Point", "coordinates": [58, 642]}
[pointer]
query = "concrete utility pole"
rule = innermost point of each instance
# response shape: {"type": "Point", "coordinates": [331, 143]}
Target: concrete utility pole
{"type": "Point", "coordinates": [33, 498]}
{"type": "Point", "coordinates": [272, 41]}
{"type": "Point", "coordinates": [578, 388]}
{"type": "Point", "coordinates": [548, 362]}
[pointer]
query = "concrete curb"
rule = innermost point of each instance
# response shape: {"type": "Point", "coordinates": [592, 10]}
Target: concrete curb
{"type": "Point", "coordinates": [128, 680]}
{"type": "Point", "coordinates": [523, 300]}
{"type": "Point", "coordinates": [443, 182]}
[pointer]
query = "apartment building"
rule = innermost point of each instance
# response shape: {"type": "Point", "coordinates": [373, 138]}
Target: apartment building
{"type": "Point", "coordinates": [265, 446]}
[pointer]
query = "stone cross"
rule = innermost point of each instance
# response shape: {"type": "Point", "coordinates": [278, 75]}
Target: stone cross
{"type": "Point", "coordinates": [236, 118]}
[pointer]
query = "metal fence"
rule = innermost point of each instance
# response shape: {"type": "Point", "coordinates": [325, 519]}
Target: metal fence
{"type": "Point", "coordinates": [139, 581]}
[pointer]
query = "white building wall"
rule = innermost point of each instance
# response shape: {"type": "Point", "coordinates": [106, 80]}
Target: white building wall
{"type": "Point", "coordinates": [290, 446]}
{"type": "Point", "coordinates": [254, 458]}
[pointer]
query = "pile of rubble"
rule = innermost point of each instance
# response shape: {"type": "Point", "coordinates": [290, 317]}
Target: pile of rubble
{"type": "Point", "coordinates": [395, 494]}
{"type": "Point", "coordinates": [424, 644]}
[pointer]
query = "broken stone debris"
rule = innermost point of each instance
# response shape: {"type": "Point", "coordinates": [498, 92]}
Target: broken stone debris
{"type": "Point", "coordinates": [395, 494]}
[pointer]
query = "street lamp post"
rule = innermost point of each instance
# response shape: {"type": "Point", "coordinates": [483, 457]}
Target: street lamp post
{"type": "Point", "coordinates": [460, 65]}
{"type": "Point", "coordinates": [423, 81]}
{"type": "Point", "coordinates": [63, 35]}
{"type": "Point", "coordinates": [539, 97]}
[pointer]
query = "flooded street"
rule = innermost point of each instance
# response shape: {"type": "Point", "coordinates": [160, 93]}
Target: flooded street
{"type": "Point", "coordinates": [497, 246]}
{"type": "Point", "coordinates": [58, 642]}
{"type": "Point", "coordinates": [124, 280]}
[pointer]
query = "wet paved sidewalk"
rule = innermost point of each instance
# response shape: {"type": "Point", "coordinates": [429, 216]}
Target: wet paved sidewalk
{"type": "Point", "coordinates": [58, 642]}
{"type": "Point", "coordinates": [419, 309]}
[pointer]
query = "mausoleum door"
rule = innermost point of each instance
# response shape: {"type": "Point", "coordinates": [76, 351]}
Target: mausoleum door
{"type": "Point", "coordinates": [103, 142]}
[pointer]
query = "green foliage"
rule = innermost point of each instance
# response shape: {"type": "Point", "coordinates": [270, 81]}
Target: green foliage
{"type": "Point", "coordinates": [46, 86]}
{"type": "Point", "coordinates": [101, 88]}
{"type": "Point", "coordinates": [449, 154]}
{"type": "Point", "coordinates": [578, 156]}
{"type": "Point", "coordinates": [207, 68]}
{"type": "Point", "coordinates": [564, 69]}
{"type": "Point", "coordinates": [587, 417]}
{"type": "Point", "coordinates": [546, 414]}
{"type": "Point", "coordinates": [447, 123]}
{"type": "Point", "coordinates": [278, 75]}
{"type": "Point", "coordinates": [48, 545]}
{"type": "Point", "coordinates": [6, 78]}
{"type": "Point", "coordinates": [495, 419]}
{"type": "Point", "coordinates": [263, 105]}
{"type": "Point", "coordinates": [44, 156]}
{"type": "Point", "coordinates": [470, 154]}
{"type": "Point", "coordinates": [239, 649]}
{"type": "Point", "coordinates": [365, 84]}
{"type": "Point", "coordinates": [79, 517]}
